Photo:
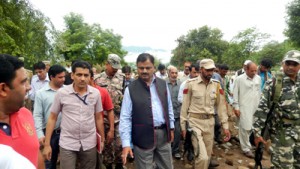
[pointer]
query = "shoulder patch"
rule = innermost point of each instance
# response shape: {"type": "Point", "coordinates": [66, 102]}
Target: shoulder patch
{"type": "Point", "coordinates": [185, 91]}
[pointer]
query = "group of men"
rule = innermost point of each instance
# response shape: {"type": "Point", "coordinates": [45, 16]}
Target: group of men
{"type": "Point", "coordinates": [141, 118]}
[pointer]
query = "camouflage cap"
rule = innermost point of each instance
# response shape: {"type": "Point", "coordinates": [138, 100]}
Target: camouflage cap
{"type": "Point", "coordinates": [207, 64]}
{"type": "Point", "coordinates": [114, 60]}
{"type": "Point", "coordinates": [292, 55]}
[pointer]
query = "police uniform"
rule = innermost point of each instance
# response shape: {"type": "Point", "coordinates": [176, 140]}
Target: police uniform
{"type": "Point", "coordinates": [198, 109]}
{"type": "Point", "coordinates": [113, 151]}
{"type": "Point", "coordinates": [285, 131]}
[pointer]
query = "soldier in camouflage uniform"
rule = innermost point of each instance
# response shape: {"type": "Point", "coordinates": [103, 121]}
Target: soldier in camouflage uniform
{"type": "Point", "coordinates": [113, 81]}
{"type": "Point", "coordinates": [285, 131]}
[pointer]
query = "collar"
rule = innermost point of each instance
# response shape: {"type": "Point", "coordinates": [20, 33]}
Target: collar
{"type": "Point", "coordinates": [71, 90]}
{"type": "Point", "coordinates": [46, 79]}
{"type": "Point", "coordinates": [200, 80]}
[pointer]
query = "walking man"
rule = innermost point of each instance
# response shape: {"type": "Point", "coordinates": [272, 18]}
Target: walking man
{"type": "Point", "coordinates": [43, 101]}
{"type": "Point", "coordinates": [201, 95]}
{"type": "Point", "coordinates": [285, 95]}
{"type": "Point", "coordinates": [81, 109]}
{"type": "Point", "coordinates": [246, 94]}
{"type": "Point", "coordinates": [147, 118]}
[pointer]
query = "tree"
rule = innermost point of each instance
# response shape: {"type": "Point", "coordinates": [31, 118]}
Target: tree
{"type": "Point", "coordinates": [200, 43]}
{"type": "Point", "coordinates": [244, 46]}
{"type": "Point", "coordinates": [293, 22]}
{"type": "Point", "coordinates": [87, 42]}
{"type": "Point", "coordinates": [23, 31]}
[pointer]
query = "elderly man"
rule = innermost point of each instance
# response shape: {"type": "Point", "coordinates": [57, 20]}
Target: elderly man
{"type": "Point", "coordinates": [174, 85]}
{"type": "Point", "coordinates": [246, 94]}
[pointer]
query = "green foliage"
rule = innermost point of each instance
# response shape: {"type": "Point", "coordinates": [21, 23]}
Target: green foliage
{"type": "Point", "coordinates": [23, 31]}
{"type": "Point", "coordinates": [293, 22]}
{"type": "Point", "coordinates": [88, 42]}
{"type": "Point", "coordinates": [204, 42]}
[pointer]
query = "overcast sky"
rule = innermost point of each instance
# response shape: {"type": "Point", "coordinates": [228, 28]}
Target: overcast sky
{"type": "Point", "coordinates": [158, 23]}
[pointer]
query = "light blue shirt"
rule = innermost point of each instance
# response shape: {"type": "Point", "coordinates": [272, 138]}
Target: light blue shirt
{"type": "Point", "coordinates": [43, 101]}
{"type": "Point", "coordinates": [125, 126]}
{"type": "Point", "coordinates": [36, 85]}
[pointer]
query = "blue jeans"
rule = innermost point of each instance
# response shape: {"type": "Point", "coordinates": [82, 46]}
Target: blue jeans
{"type": "Point", "coordinates": [55, 150]}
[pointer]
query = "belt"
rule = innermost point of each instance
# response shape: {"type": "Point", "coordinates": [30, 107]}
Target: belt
{"type": "Point", "coordinates": [56, 131]}
{"type": "Point", "coordinates": [159, 127]}
{"type": "Point", "coordinates": [201, 116]}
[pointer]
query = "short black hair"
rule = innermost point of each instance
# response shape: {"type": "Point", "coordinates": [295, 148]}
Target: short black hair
{"type": "Point", "coordinates": [81, 64]}
{"type": "Point", "coordinates": [8, 66]}
{"type": "Point", "coordinates": [145, 56]}
{"type": "Point", "coordinates": [126, 69]}
{"type": "Point", "coordinates": [266, 63]}
{"type": "Point", "coordinates": [54, 70]}
{"type": "Point", "coordinates": [224, 67]}
{"type": "Point", "coordinates": [39, 65]}
{"type": "Point", "coordinates": [161, 66]}
{"type": "Point", "coordinates": [196, 66]}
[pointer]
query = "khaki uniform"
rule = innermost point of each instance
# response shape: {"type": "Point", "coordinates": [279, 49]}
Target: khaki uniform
{"type": "Point", "coordinates": [113, 151]}
{"type": "Point", "coordinates": [198, 109]}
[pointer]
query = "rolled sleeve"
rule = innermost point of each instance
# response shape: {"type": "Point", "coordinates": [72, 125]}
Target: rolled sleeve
{"type": "Point", "coordinates": [98, 105]}
{"type": "Point", "coordinates": [56, 105]}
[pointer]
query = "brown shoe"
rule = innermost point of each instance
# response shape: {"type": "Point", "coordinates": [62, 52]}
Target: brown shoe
{"type": "Point", "coordinates": [249, 154]}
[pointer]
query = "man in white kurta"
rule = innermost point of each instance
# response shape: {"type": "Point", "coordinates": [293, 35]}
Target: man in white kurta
{"type": "Point", "coordinates": [246, 95]}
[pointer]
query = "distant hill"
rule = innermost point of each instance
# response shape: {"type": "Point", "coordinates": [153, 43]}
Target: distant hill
{"type": "Point", "coordinates": [141, 49]}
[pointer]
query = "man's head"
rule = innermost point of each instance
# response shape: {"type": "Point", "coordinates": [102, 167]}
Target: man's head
{"type": "Point", "coordinates": [246, 63]}
{"type": "Point", "coordinates": [81, 74]}
{"type": "Point", "coordinates": [217, 69]}
{"type": "Point", "coordinates": [265, 65]}
{"type": "Point", "coordinates": [291, 63]}
{"type": "Point", "coordinates": [207, 68]}
{"type": "Point", "coordinates": [194, 70]}
{"type": "Point", "coordinates": [145, 66]}
{"type": "Point", "coordinates": [47, 64]}
{"type": "Point", "coordinates": [173, 73]}
{"type": "Point", "coordinates": [162, 69]}
{"type": "Point", "coordinates": [113, 64]}
{"type": "Point", "coordinates": [13, 84]}
{"type": "Point", "coordinates": [251, 69]}
{"type": "Point", "coordinates": [223, 69]}
{"type": "Point", "coordinates": [127, 71]}
{"type": "Point", "coordinates": [40, 70]}
{"type": "Point", "coordinates": [186, 70]}
{"type": "Point", "coordinates": [57, 75]}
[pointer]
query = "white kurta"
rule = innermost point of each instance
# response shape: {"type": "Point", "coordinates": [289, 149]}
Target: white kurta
{"type": "Point", "coordinates": [246, 95]}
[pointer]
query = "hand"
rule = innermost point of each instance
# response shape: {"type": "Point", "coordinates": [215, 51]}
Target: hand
{"type": "Point", "coordinates": [110, 136]}
{"type": "Point", "coordinates": [237, 113]}
{"type": "Point", "coordinates": [227, 135]}
{"type": "Point", "coordinates": [125, 152]}
{"type": "Point", "coordinates": [42, 141]}
{"type": "Point", "coordinates": [172, 135]}
{"type": "Point", "coordinates": [47, 152]}
{"type": "Point", "coordinates": [257, 140]}
{"type": "Point", "coordinates": [183, 133]}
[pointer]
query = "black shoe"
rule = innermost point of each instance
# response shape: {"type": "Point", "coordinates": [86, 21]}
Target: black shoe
{"type": "Point", "coordinates": [108, 166]}
{"type": "Point", "coordinates": [119, 166]}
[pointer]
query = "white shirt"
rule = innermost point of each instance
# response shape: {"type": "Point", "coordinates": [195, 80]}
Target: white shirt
{"type": "Point", "coordinates": [246, 95]}
{"type": "Point", "coordinates": [36, 85]}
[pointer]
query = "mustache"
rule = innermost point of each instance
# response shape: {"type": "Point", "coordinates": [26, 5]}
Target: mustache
{"type": "Point", "coordinates": [145, 73]}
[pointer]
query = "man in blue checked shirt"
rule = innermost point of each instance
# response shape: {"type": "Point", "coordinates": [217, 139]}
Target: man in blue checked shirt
{"type": "Point", "coordinates": [147, 118]}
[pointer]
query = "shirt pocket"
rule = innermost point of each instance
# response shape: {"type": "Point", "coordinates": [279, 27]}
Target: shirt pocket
{"type": "Point", "coordinates": [198, 98]}
{"type": "Point", "coordinates": [212, 97]}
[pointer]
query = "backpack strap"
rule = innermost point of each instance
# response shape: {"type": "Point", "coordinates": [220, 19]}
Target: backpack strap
{"type": "Point", "coordinates": [276, 89]}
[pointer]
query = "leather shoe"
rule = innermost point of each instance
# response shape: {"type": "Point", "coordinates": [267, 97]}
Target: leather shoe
{"type": "Point", "coordinates": [249, 154]}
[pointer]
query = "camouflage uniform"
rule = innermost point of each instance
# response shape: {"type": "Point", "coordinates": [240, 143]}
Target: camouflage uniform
{"type": "Point", "coordinates": [285, 132]}
{"type": "Point", "coordinates": [112, 152]}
